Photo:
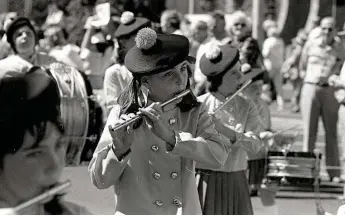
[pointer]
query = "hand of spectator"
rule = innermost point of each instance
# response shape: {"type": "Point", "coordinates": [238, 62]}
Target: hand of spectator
{"type": "Point", "coordinates": [334, 80]}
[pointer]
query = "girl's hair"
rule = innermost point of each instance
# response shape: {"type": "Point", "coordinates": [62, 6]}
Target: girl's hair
{"type": "Point", "coordinates": [18, 114]}
{"type": "Point", "coordinates": [130, 99]}
{"type": "Point", "coordinates": [214, 82]}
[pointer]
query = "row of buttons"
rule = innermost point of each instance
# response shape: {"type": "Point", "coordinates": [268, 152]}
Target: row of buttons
{"type": "Point", "coordinates": [157, 175]}
{"type": "Point", "coordinates": [176, 202]}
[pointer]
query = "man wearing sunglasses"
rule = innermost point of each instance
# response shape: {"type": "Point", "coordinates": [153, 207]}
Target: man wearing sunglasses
{"type": "Point", "coordinates": [321, 59]}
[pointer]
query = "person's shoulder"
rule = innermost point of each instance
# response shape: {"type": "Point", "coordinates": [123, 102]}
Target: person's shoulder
{"type": "Point", "coordinates": [75, 209]}
{"type": "Point", "coordinates": [115, 68]}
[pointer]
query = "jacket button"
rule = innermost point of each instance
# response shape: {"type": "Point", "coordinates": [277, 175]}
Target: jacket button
{"type": "Point", "coordinates": [174, 175]}
{"type": "Point", "coordinates": [177, 202]}
{"type": "Point", "coordinates": [172, 121]}
{"type": "Point", "coordinates": [159, 203]}
{"type": "Point", "coordinates": [154, 148]}
{"type": "Point", "coordinates": [156, 175]}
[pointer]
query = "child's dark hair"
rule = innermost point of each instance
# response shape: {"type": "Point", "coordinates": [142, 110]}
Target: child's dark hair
{"type": "Point", "coordinates": [19, 113]}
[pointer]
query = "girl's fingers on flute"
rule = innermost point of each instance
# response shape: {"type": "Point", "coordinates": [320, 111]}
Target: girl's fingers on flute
{"type": "Point", "coordinates": [150, 113]}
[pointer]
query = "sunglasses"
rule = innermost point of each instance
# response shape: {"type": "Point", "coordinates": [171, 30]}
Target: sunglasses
{"type": "Point", "coordinates": [329, 29]}
{"type": "Point", "coordinates": [240, 24]}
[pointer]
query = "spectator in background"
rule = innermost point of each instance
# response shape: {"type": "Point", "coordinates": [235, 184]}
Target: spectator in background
{"type": "Point", "coordinates": [218, 24]}
{"type": "Point", "coordinates": [273, 50]}
{"type": "Point", "coordinates": [202, 36]}
{"type": "Point", "coordinates": [22, 37]}
{"type": "Point", "coordinates": [170, 22]}
{"type": "Point", "coordinates": [290, 67]}
{"type": "Point", "coordinates": [250, 53]}
{"type": "Point", "coordinates": [117, 77]}
{"type": "Point", "coordinates": [321, 58]}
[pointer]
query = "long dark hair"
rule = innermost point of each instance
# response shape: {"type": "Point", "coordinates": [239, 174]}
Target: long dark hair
{"type": "Point", "coordinates": [19, 114]}
{"type": "Point", "coordinates": [130, 99]}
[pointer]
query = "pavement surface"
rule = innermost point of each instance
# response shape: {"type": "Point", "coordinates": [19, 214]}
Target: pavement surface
{"type": "Point", "coordinates": [287, 202]}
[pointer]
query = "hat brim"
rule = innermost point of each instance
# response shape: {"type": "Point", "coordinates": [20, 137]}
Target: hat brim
{"type": "Point", "coordinates": [131, 28]}
{"type": "Point", "coordinates": [254, 72]}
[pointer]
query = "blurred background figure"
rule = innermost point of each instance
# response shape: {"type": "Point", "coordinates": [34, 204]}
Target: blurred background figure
{"type": "Point", "coordinates": [217, 27]}
{"type": "Point", "coordinates": [273, 50]}
{"type": "Point", "coordinates": [290, 70]}
{"type": "Point", "coordinates": [170, 22]}
{"type": "Point", "coordinates": [321, 58]}
{"type": "Point", "coordinates": [201, 35]}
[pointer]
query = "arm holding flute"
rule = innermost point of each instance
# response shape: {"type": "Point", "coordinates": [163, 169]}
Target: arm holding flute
{"type": "Point", "coordinates": [114, 148]}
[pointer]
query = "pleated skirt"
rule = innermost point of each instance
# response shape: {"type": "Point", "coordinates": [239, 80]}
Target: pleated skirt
{"type": "Point", "coordinates": [223, 193]}
{"type": "Point", "coordinates": [256, 171]}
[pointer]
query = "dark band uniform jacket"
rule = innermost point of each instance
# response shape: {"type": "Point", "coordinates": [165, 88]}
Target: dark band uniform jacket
{"type": "Point", "coordinates": [150, 179]}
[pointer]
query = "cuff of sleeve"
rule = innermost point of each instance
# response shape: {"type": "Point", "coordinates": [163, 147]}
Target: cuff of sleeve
{"type": "Point", "coordinates": [123, 157]}
{"type": "Point", "coordinates": [180, 137]}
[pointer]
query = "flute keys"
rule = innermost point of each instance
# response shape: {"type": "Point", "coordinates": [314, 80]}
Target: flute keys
{"type": "Point", "coordinates": [172, 121]}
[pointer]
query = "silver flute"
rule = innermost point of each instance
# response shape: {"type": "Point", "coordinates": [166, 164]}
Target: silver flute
{"type": "Point", "coordinates": [139, 115]}
{"type": "Point", "coordinates": [233, 95]}
{"type": "Point", "coordinates": [49, 193]}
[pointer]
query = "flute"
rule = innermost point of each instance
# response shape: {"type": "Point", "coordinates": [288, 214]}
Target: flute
{"type": "Point", "coordinates": [51, 192]}
{"type": "Point", "coordinates": [139, 115]}
{"type": "Point", "coordinates": [233, 95]}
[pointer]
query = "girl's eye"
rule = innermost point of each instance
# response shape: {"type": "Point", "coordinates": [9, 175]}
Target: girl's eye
{"type": "Point", "coordinates": [168, 74]}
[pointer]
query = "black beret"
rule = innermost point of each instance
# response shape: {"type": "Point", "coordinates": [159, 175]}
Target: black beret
{"type": "Point", "coordinates": [155, 53]}
{"type": "Point", "coordinates": [218, 59]}
{"type": "Point", "coordinates": [16, 24]}
{"type": "Point", "coordinates": [130, 24]}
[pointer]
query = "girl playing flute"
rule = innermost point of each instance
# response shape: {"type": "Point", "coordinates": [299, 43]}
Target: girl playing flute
{"type": "Point", "coordinates": [32, 150]}
{"type": "Point", "coordinates": [151, 163]}
{"type": "Point", "coordinates": [224, 191]}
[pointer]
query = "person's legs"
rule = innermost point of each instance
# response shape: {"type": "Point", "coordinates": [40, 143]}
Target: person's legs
{"type": "Point", "coordinates": [296, 94]}
{"type": "Point", "coordinates": [329, 114]}
{"type": "Point", "coordinates": [310, 110]}
{"type": "Point", "coordinates": [278, 85]}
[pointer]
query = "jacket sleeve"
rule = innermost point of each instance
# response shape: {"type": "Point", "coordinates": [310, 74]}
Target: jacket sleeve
{"type": "Point", "coordinates": [208, 146]}
{"type": "Point", "coordinates": [248, 139]}
{"type": "Point", "coordinates": [105, 169]}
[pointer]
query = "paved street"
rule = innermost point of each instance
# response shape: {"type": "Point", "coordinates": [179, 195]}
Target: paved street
{"type": "Point", "coordinates": [297, 203]}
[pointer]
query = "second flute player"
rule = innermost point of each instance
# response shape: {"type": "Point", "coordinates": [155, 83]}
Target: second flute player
{"type": "Point", "coordinates": [224, 191]}
{"type": "Point", "coordinates": [151, 163]}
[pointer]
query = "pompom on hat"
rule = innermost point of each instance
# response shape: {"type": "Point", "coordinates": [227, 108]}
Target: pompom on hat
{"type": "Point", "coordinates": [130, 24]}
{"type": "Point", "coordinates": [155, 53]}
{"type": "Point", "coordinates": [218, 59]}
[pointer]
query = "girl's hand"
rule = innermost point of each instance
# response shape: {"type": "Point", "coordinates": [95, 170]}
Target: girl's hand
{"type": "Point", "coordinates": [267, 138]}
{"type": "Point", "coordinates": [123, 137]}
{"type": "Point", "coordinates": [228, 131]}
{"type": "Point", "coordinates": [153, 118]}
